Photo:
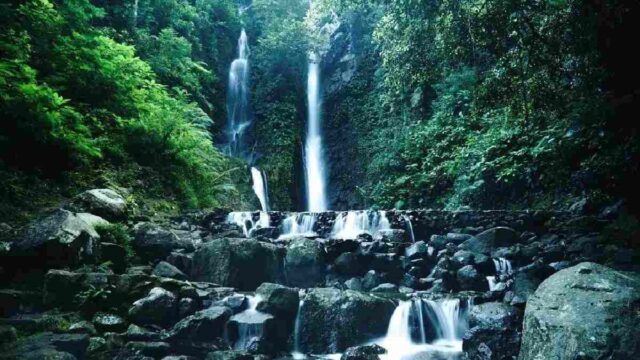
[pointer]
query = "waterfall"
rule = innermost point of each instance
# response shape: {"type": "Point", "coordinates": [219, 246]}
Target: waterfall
{"type": "Point", "coordinates": [350, 224]}
{"type": "Point", "coordinates": [238, 100]}
{"type": "Point", "coordinates": [260, 187]}
{"type": "Point", "coordinates": [250, 324]}
{"type": "Point", "coordinates": [244, 219]}
{"type": "Point", "coordinates": [407, 221]}
{"type": "Point", "coordinates": [297, 354]}
{"type": "Point", "coordinates": [445, 320]}
{"type": "Point", "coordinates": [135, 13]}
{"type": "Point", "coordinates": [503, 267]}
{"type": "Point", "coordinates": [313, 154]}
{"type": "Point", "coordinates": [298, 224]}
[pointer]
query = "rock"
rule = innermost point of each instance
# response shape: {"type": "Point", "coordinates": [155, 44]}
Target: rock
{"type": "Point", "coordinates": [105, 203]}
{"type": "Point", "coordinates": [114, 253]}
{"type": "Point", "coordinates": [488, 240]}
{"type": "Point", "coordinates": [366, 352]}
{"type": "Point", "coordinates": [372, 279]}
{"type": "Point", "coordinates": [332, 320]}
{"type": "Point", "coordinates": [354, 284]}
{"type": "Point", "coordinates": [494, 332]}
{"type": "Point", "coordinates": [60, 238]}
{"type": "Point", "coordinates": [526, 281]}
{"type": "Point", "coordinates": [462, 258]}
{"type": "Point", "coordinates": [186, 307]}
{"type": "Point", "coordinates": [96, 345]}
{"type": "Point", "coordinates": [385, 288]}
{"type": "Point", "coordinates": [268, 232]}
{"type": "Point", "coordinates": [182, 261]}
{"type": "Point", "coordinates": [240, 263]}
{"type": "Point", "coordinates": [390, 235]}
{"type": "Point", "coordinates": [278, 300]}
{"type": "Point", "coordinates": [48, 345]}
{"type": "Point", "coordinates": [457, 238]}
{"type": "Point", "coordinates": [159, 307]}
{"type": "Point", "coordinates": [109, 322]}
{"type": "Point", "coordinates": [83, 327]}
{"type": "Point", "coordinates": [348, 264]}
{"type": "Point", "coordinates": [255, 331]}
{"type": "Point", "coordinates": [155, 349]}
{"type": "Point", "coordinates": [137, 333]}
{"type": "Point", "coordinates": [152, 242]}
{"type": "Point", "coordinates": [236, 302]}
{"type": "Point", "coordinates": [204, 325]}
{"type": "Point", "coordinates": [7, 334]}
{"type": "Point", "coordinates": [417, 250]}
{"type": "Point", "coordinates": [470, 279]}
{"type": "Point", "coordinates": [304, 263]}
{"type": "Point", "coordinates": [164, 269]}
{"type": "Point", "coordinates": [587, 308]}
{"type": "Point", "coordinates": [229, 355]}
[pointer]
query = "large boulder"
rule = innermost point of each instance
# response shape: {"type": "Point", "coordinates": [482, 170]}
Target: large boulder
{"type": "Point", "coordinates": [204, 325]}
{"type": "Point", "coordinates": [240, 263]}
{"type": "Point", "coordinates": [48, 345]}
{"type": "Point", "coordinates": [304, 263]}
{"type": "Point", "coordinates": [365, 352]}
{"type": "Point", "coordinates": [488, 240]}
{"type": "Point", "coordinates": [159, 307]}
{"type": "Point", "coordinates": [60, 238]}
{"type": "Point", "coordinates": [332, 320]}
{"type": "Point", "coordinates": [164, 269]}
{"type": "Point", "coordinates": [102, 202]}
{"type": "Point", "coordinates": [494, 332]}
{"type": "Point", "coordinates": [152, 242]}
{"type": "Point", "coordinates": [278, 300]}
{"type": "Point", "coordinates": [470, 279]}
{"type": "Point", "coordinates": [587, 310]}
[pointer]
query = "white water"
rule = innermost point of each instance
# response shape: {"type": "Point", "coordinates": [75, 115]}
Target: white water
{"type": "Point", "coordinates": [297, 354]}
{"type": "Point", "coordinates": [350, 224]}
{"type": "Point", "coordinates": [315, 172]}
{"type": "Point", "coordinates": [238, 100]}
{"type": "Point", "coordinates": [298, 224]}
{"type": "Point", "coordinates": [260, 187]}
{"type": "Point", "coordinates": [249, 324]}
{"type": "Point", "coordinates": [244, 219]}
{"type": "Point", "coordinates": [407, 221]}
{"type": "Point", "coordinates": [503, 267]}
{"type": "Point", "coordinates": [445, 319]}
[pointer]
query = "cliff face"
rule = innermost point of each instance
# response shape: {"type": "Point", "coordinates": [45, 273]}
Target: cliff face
{"type": "Point", "coordinates": [348, 86]}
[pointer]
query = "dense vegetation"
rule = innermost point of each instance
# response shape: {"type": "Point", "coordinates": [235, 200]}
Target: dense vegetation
{"type": "Point", "coordinates": [92, 89]}
{"type": "Point", "coordinates": [450, 103]}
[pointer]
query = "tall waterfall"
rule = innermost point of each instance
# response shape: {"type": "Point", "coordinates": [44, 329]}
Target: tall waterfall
{"type": "Point", "coordinates": [315, 173]}
{"type": "Point", "coordinates": [424, 326]}
{"type": "Point", "coordinates": [238, 100]}
{"type": "Point", "coordinates": [260, 187]}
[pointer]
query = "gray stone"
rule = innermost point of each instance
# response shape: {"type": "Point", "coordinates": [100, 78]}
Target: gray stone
{"type": "Point", "coordinates": [489, 240]}
{"type": "Point", "coordinates": [152, 242]}
{"type": "Point", "coordinates": [159, 307]}
{"type": "Point", "coordinates": [204, 325]}
{"type": "Point", "coordinates": [106, 322]}
{"type": "Point", "coordinates": [332, 320]}
{"type": "Point", "coordinates": [240, 263]}
{"type": "Point", "coordinates": [470, 279]}
{"type": "Point", "coordinates": [417, 250]}
{"type": "Point", "coordinates": [588, 309]}
{"type": "Point", "coordinates": [105, 203]}
{"type": "Point", "coordinates": [278, 300]}
{"type": "Point", "coordinates": [164, 269]}
{"type": "Point", "coordinates": [304, 263]}
{"type": "Point", "coordinates": [386, 288]}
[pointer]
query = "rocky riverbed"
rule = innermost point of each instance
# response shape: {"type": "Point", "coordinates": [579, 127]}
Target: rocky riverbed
{"type": "Point", "coordinates": [91, 280]}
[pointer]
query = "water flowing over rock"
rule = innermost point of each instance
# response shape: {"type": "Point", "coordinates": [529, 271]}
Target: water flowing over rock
{"type": "Point", "coordinates": [587, 310]}
{"type": "Point", "coordinates": [260, 187]}
{"type": "Point", "coordinates": [315, 172]}
{"type": "Point", "coordinates": [350, 224]}
{"type": "Point", "coordinates": [298, 224]}
{"type": "Point", "coordinates": [246, 222]}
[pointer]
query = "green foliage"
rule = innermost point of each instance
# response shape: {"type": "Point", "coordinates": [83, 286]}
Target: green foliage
{"type": "Point", "coordinates": [116, 234]}
{"type": "Point", "coordinates": [73, 97]}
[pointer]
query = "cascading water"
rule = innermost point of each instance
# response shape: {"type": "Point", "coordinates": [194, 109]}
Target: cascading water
{"type": "Point", "coordinates": [250, 324]}
{"type": "Point", "coordinates": [503, 268]}
{"type": "Point", "coordinates": [350, 224]}
{"type": "Point", "coordinates": [298, 224]}
{"type": "Point", "coordinates": [297, 354]}
{"type": "Point", "coordinates": [238, 100]}
{"type": "Point", "coordinates": [314, 153]}
{"type": "Point", "coordinates": [260, 187]}
{"type": "Point", "coordinates": [244, 219]}
{"type": "Point", "coordinates": [407, 333]}
{"type": "Point", "coordinates": [407, 221]}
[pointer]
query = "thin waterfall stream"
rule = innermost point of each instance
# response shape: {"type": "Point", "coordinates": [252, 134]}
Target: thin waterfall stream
{"type": "Point", "coordinates": [315, 172]}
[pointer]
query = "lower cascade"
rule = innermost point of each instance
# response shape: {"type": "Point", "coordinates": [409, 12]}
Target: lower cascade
{"type": "Point", "coordinates": [298, 224]}
{"type": "Point", "coordinates": [420, 326]}
{"type": "Point", "coordinates": [245, 220]}
{"type": "Point", "coordinates": [260, 187]}
{"type": "Point", "coordinates": [503, 268]}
